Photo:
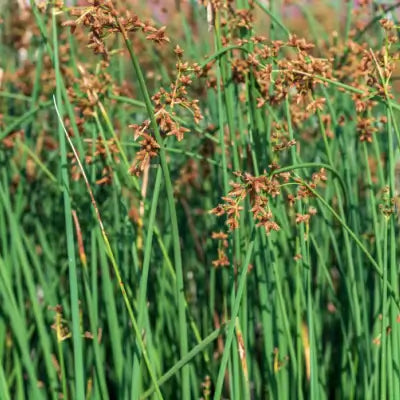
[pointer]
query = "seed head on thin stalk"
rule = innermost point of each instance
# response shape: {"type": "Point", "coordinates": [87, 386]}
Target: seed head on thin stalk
{"type": "Point", "coordinates": [222, 240]}
{"type": "Point", "coordinates": [100, 18]}
{"type": "Point", "coordinates": [104, 20]}
{"type": "Point", "coordinates": [259, 191]}
{"type": "Point", "coordinates": [166, 105]}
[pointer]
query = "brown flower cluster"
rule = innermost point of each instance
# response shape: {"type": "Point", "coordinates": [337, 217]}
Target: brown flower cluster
{"type": "Point", "coordinates": [365, 69]}
{"type": "Point", "coordinates": [295, 68]}
{"type": "Point", "coordinates": [366, 129]}
{"type": "Point", "coordinates": [301, 75]}
{"type": "Point", "coordinates": [148, 148]}
{"type": "Point", "coordinates": [9, 141]}
{"type": "Point", "coordinates": [93, 87]}
{"type": "Point", "coordinates": [233, 20]}
{"type": "Point", "coordinates": [103, 20]}
{"type": "Point", "coordinates": [258, 190]}
{"type": "Point", "coordinates": [305, 218]}
{"type": "Point", "coordinates": [389, 204]}
{"type": "Point", "coordinates": [297, 73]}
{"type": "Point", "coordinates": [222, 239]}
{"type": "Point", "coordinates": [167, 103]}
{"type": "Point", "coordinates": [303, 191]}
{"type": "Point", "coordinates": [280, 137]}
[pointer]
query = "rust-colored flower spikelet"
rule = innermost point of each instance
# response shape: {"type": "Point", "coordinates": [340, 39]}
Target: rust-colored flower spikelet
{"type": "Point", "coordinates": [222, 260]}
{"type": "Point", "coordinates": [106, 176]}
{"type": "Point", "coordinates": [303, 191]}
{"type": "Point", "coordinates": [366, 129]}
{"type": "Point", "coordinates": [319, 176]}
{"type": "Point", "coordinates": [157, 35]}
{"type": "Point", "coordinates": [387, 24]}
{"type": "Point", "coordinates": [302, 218]}
{"type": "Point", "coordinates": [148, 149]}
{"type": "Point", "coordinates": [315, 105]}
{"type": "Point", "coordinates": [93, 88]}
{"type": "Point", "coordinates": [168, 102]}
{"type": "Point", "coordinates": [103, 20]}
{"type": "Point", "coordinates": [258, 190]}
{"type": "Point", "coordinates": [9, 141]}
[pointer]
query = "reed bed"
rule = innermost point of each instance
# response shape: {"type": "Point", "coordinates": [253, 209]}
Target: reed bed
{"type": "Point", "coordinates": [202, 210]}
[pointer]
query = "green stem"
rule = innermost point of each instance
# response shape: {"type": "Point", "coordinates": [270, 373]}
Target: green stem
{"type": "Point", "coordinates": [172, 209]}
{"type": "Point", "coordinates": [79, 370]}
{"type": "Point", "coordinates": [234, 313]}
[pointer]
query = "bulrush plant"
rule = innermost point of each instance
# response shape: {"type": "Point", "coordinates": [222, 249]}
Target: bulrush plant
{"type": "Point", "coordinates": [201, 209]}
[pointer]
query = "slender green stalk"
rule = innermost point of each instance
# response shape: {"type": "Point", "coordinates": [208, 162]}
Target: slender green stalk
{"type": "Point", "coordinates": [172, 209]}
{"type": "Point", "coordinates": [79, 370]}
{"type": "Point", "coordinates": [144, 277]}
{"type": "Point", "coordinates": [189, 356]}
{"type": "Point", "coordinates": [231, 325]}
{"type": "Point", "coordinates": [19, 329]}
{"type": "Point", "coordinates": [384, 341]}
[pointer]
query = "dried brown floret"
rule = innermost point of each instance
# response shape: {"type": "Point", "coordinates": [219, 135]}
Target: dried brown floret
{"type": "Point", "coordinates": [149, 149]}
